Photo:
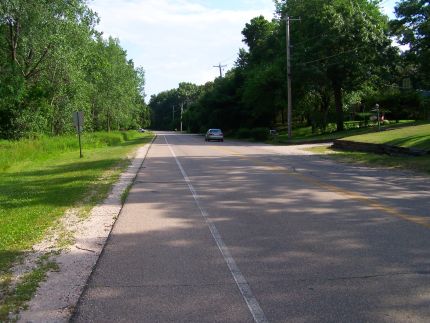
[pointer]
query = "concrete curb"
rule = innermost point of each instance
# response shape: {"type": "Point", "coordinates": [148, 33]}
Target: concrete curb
{"type": "Point", "coordinates": [57, 297]}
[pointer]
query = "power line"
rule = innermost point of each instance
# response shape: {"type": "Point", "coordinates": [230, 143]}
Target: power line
{"type": "Point", "coordinates": [328, 57]}
{"type": "Point", "coordinates": [309, 39]}
{"type": "Point", "coordinates": [228, 59]}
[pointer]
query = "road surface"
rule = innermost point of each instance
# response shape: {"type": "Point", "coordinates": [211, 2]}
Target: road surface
{"type": "Point", "coordinates": [241, 232]}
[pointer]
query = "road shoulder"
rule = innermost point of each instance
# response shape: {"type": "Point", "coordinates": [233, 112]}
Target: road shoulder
{"type": "Point", "coordinates": [58, 295]}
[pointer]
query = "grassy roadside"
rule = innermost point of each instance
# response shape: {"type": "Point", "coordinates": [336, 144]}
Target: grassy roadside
{"type": "Point", "coordinates": [41, 179]}
{"type": "Point", "coordinates": [411, 137]}
{"type": "Point", "coordinates": [304, 134]}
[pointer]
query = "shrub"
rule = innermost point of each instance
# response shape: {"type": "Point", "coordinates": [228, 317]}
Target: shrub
{"type": "Point", "coordinates": [243, 133]}
{"type": "Point", "coordinates": [203, 129]}
{"type": "Point", "coordinates": [260, 133]}
{"type": "Point", "coordinates": [399, 105]}
{"type": "Point", "coordinates": [351, 125]}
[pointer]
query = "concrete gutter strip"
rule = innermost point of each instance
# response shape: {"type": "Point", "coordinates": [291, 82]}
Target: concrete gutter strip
{"type": "Point", "coordinates": [57, 297]}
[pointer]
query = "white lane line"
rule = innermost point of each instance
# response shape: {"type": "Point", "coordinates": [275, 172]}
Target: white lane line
{"type": "Point", "coordinates": [242, 284]}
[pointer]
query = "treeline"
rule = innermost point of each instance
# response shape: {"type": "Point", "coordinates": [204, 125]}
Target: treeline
{"type": "Point", "coordinates": [343, 63]}
{"type": "Point", "coordinates": [54, 62]}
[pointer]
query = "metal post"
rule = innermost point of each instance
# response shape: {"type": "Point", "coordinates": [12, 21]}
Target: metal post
{"type": "Point", "coordinates": [79, 135]}
{"type": "Point", "coordinates": [377, 111]}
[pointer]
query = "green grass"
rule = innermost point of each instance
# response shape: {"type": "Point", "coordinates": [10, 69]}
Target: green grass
{"type": "Point", "coordinates": [304, 134]}
{"type": "Point", "coordinates": [124, 194]}
{"type": "Point", "coordinates": [14, 300]}
{"type": "Point", "coordinates": [409, 137]}
{"type": "Point", "coordinates": [41, 179]}
{"type": "Point", "coordinates": [45, 148]}
{"type": "Point", "coordinates": [413, 163]}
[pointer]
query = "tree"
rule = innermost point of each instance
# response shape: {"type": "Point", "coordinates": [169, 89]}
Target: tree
{"type": "Point", "coordinates": [412, 27]}
{"type": "Point", "coordinates": [53, 62]}
{"type": "Point", "coordinates": [341, 52]}
{"type": "Point", "coordinates": [164, 109]}
{"type": "Point", "coordinates": [256, 35]}
{"type": "Point", "coordinates": [33, 34]}
{"type": "Point", "coordinates": [340, 43]}
{"type": "Point", "coordinates": [263, 72]}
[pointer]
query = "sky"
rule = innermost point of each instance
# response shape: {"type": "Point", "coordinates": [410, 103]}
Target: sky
{"type": "Point", "coordinates": [182, 40]}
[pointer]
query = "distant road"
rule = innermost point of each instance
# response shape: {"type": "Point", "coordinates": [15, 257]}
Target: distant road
{"type": "Point", "coordinates": [242, 232]}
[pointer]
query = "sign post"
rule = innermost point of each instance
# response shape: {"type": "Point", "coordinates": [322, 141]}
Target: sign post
{"type": "Point", "coordinates": [78, 121]}
{"type": "Point", "coordinates": [376, 109]}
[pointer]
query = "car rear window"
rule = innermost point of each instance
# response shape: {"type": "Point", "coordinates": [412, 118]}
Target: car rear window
{"type": "Point", "coordinates": [215, 130]}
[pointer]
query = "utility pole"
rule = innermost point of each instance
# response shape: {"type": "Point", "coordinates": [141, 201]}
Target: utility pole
{"type": "Point", "coordinates": [220, 68]}
{"type": "Point", "coordinates": [182, 110]}
{"type": "Point", "coordinates": [290, 101]}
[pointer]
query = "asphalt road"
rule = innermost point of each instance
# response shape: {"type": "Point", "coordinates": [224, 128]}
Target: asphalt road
{"type": "Point", "coordinates": [238, 232]}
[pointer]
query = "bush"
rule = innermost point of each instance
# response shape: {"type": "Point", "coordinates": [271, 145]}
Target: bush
{"type": "Point", "coordinates": [331, 127]}
{"type": "Point", "coordinates": [260, 133]}
{"type": "Point", "coordinates": [351, 125]}
{"type": "Point", "coordinates": [399, 105]}
{"type": "Point", "coordinates": [203, 129]}
{"type": "Point", "coordinates": [243, 133]}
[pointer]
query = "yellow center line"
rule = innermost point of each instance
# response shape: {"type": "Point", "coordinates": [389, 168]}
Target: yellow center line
{"type": "Point", "coordinates": [423, 221]}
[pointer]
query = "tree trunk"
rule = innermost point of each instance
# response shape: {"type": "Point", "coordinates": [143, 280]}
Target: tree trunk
{"type": "Point", "coordinates": [324, 107]}
{"type": "Point", "coordinates": [14, 29]}
{"type": "Point", "coordinates": [337, 91]}
{"type": "Point", "coordinates": [282, 115]}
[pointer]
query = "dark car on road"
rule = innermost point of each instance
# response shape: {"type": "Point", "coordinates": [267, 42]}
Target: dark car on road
{"type": "Point", "coordinates": [214, 134]}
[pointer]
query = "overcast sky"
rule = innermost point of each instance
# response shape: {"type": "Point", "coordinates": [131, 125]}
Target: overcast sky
{"type": "Point", "coordinates": [181, 40]}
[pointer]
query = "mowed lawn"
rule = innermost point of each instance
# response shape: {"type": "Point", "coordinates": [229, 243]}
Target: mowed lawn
{"type": "Point", "coordinates": [304, 134]}
{"type": "Point", "coordinates": [410, 137]}
{"type": "Point", "coordinates": [41, 179]}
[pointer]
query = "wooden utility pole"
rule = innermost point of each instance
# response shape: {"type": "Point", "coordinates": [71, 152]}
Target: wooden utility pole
{"type": "Point", "coordinates": [290, 101]}
{"type": "Point", "coordinates": [182, 110]}
{"type": "Point", "coordinates": [220, 68]}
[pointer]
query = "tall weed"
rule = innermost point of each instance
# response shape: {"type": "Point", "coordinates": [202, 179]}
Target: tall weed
{"type": "Point", "coordinates": [44, 147]}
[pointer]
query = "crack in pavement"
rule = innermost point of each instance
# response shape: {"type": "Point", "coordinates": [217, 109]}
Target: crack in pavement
{"type": "Point", "coordinates": [418, 272]}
